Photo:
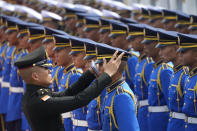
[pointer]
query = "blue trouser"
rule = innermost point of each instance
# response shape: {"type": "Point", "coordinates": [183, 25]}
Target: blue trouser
{"type": "Point", "coordinates": [143, 118]}
{"type": "Point", "coordinates": [158, 121]}
{"type": "Point", "coordinates": [176, 125]}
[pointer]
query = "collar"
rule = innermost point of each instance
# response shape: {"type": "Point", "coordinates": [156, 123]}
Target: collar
{"type": "Point", "coordinates": [68, 68]}
{"type": "Point", "coordinates": [177, 68]}
{"type": "Point", "coordinates": [33, 88]}
{"type": "Point", "coordinates": [193, 72]}
{"type": "Point", "coordinates": [142, 57]}
{"type": "Point", "coordinates": [157, 64]}
{"type": "Point", "coordinates": [129, 50]}
{"type": "Point", "coordinates": [114, 85]}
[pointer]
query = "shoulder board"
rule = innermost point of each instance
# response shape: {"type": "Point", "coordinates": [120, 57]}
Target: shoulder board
{"type": "Point", "coordinates": [119, 90]}
{"type": "Point", "coordinates": [186, 70]}
{"type": "Point", "coordinates": [44, 94]}
{"type": "Point", "coordinates": [135, 54]}
{"type": "Point", "coordinates": [148, 59]}
{"type": "Point", "coordinates": [165, 66]}
{"type": "Point", "coordinates": [169, 66]}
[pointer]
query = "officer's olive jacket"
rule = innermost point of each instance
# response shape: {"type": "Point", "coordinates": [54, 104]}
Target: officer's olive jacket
{"type": "Point", "coordinates": [43, 108]}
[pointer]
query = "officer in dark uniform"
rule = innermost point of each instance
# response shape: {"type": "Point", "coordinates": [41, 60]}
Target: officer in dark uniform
{"type": "Point", "coordinates": [42, 107]}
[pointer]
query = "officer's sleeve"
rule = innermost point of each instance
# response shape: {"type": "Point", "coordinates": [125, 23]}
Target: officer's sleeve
{"type": "Point", "coordinates": [124, 111]}
{"type": "Point", "coordinates": [64, 104]}
{"type": "Point", "coordinates": [82, 83]}
{"type": "Point", "coordinates": [165, 81]}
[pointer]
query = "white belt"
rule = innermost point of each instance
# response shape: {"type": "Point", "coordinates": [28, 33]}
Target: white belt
{"type": "Point", "coordinates": [93, 130]}
{"type": "Point", "coordinates": [5, 84]}
{"type": "Point", "coordinates": [16, 90]}
{"type": "Point", "coordinates": [66, 115]}
{"type": "Point", "coordinates": [191, 120]}
{"type": "Point", "coordinates": [158, 109]}
{"type": "Point", "coordinates": [143, 103]}
{"type": "Point", "coordinates": [80, 123]}
{"type": "Point", "coordinates": [177, 115]}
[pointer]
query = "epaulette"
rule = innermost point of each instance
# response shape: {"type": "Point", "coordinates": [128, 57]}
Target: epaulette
{"type": "Point", "coordinates": [166, 66]}
{"type": "Point", "coordinates": [44, 94]}
{"type": "Point", "coordinates": [169, 66]}
{"type": "Point", "coordinates": [119, 90]}
{"type": "Point", "coordinates": [134, 54]}
{"type": "Point", "coordinates": [186, 70]}
{"type": "Point", "coordinates": [149, 60]}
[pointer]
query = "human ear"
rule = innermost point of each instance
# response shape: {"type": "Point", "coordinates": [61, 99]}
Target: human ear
{"type": "Point", "coordinates": [35, 76]}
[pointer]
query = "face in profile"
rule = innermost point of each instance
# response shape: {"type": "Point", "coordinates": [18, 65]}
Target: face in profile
{"type": "Point", "coordinates": [168, 53]}
{"type": "Point", "coordinates": [42, 76]}
{"type": "Point", "coordinates": [150, 50]}
{"type": "Point", "coordinates": [62, 56]}
{"type": "Point", "coordinates": [78, 60]}
{"type": "Point", "coordinates": [185, 57]}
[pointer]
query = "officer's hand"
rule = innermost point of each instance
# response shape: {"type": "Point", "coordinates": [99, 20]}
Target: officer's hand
{"type": "Point", "coordinates": [112, 66]}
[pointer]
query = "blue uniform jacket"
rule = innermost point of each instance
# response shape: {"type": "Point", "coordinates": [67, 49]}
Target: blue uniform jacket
{"type": "Point", "coordinates": [158, 96]}
{"type": "Point", "coordinates": [119, 110]}
{"type": "Point", "coordinates": [70, 75]}
{"type": "Point", "coordinates": [16, 89]}
{"type": "Point", "coordinates": [176, 96]}
{"type": "Point", "coordinates": [143, 71]}
{"type": "Point", "coordinates": [94, 112]}
{"type": "Point", "coordinates": [3, 47]}
{"type": "Point", "coordinates": [6, 77]}
{"type": "Point", "coordinates": [190, 104]}
{"type": "Point", "coordinates": [57, 72]}
{"type": "Point", "coordinates": [130, 71]}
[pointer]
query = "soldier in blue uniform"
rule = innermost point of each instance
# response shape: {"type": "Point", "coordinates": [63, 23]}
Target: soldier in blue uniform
{"type": "Point", "coordinates": [183, 22]}
{"type": "Point", "coordinates": [92, 28]}
{"type": "Point", "coordinates": [169, 19]}
{"type": "Point", "coordinates": [36, 35]}
{"type": "Point", "coordinates": [158, 84]}
{"type": "Point", "coordinates": [168, 44]}
{"type": "Point", "coordinates": [70, 73]}
{"type": "Point", "coordinates": [52, 20]}
{"type": "Point", "coordinates": [143, 70]}
{"type": "Point", "coordinates": [9, 55]}
{"type": "Point", "coordinates": [49, 44]}
{"type": "Point", "coordinates": [3, 48]}
{"type": "Point", "coordinates": [16, 90]}
{"type": "Point", "coordinates": [118, 39]}
{"type": "Point", "coordinates": [188, 50]}
{"type": "Point", "coordinates": [70, 19]}
{"type": "Point", "coordinates": [119, 108]}
{"type": "Point", "coordinates": [78, 53]}
{"type": "Point", "coordinates": [105, 31]}
{"type": "Point", "coordinates": [93, 116]}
